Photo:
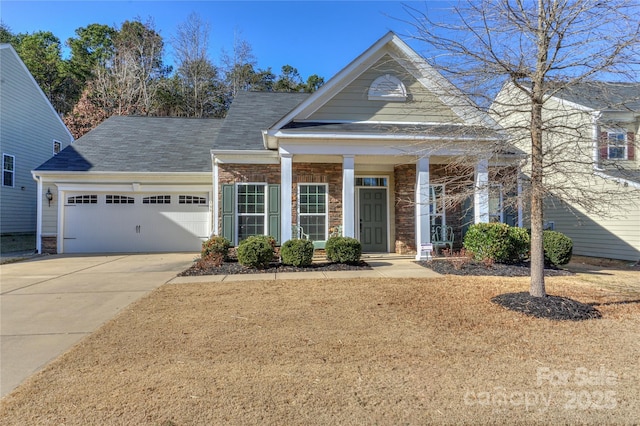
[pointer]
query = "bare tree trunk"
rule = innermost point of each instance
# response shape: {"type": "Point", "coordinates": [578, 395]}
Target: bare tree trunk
{"type": "Point", "coordinates": [536, 287]}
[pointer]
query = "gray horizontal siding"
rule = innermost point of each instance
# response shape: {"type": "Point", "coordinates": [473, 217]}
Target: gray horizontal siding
{"type": "Point", "coordinates": [352, 103]}
{"type": "Point", "coordinates": [613, 238]}
{"type": "Point", "coordinates": [29, 127]}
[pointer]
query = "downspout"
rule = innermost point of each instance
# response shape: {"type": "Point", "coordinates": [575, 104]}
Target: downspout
{"type": "Point", "coordinates": [38, 180]}
{"type": "Point", "coordinates": [595, 116]}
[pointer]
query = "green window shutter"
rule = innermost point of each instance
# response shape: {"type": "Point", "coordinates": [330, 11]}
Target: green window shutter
{"type": "Point", "coordinates": [228, 212]}
{"type": "Point", "coordinates": [274, 212]}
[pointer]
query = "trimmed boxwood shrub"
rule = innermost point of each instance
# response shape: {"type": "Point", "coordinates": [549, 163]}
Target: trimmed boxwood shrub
{"type": "Point", "coordinates": [343, 250]}
{"type": "Point", "coordinates": [215, 246]}
{"type": "Point", "coordinates": [256, 251]}
{"type": "Point", "coordinates": [558, 248]}
{"type": "Point", "coordinates": [297, 252]}
{"type": "Point", "coordinates": [497, 242]}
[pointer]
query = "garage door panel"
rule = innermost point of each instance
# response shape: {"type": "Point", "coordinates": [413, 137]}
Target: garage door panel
{"type": "Point", "coordinates": [136, 227]}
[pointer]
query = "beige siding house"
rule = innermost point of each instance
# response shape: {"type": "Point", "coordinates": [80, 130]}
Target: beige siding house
{"type": "Point", "coordinates": [361, 157]}
{"type": "Point", "coordinates": [592, 167]}
{"type": "Point", "coordinates": [31, 133]}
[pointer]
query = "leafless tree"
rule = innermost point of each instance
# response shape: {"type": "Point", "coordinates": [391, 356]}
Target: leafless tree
{"type": "Point", "coordinates": [542, 50]}
{"type": "Point", "coordinates": [196, 71]}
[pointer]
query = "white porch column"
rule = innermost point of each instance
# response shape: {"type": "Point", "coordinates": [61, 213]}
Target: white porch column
{"type": "Point", "coordinates": [39, 216]}
{"type": "Point", "coordinates": [423, 216]}
{"type": "Point", "coordinates": [481, 192]}
{"type": "Point", "coordinates": [520, 207]}
{"type": "Point", "coordinates": [60, 235]}
{"type": "Point", "coordinates": [286, 210]}
{"type": "Point", "coordinates": [348, 196]}
{"type": "Point", "coordinates": [216, 202]}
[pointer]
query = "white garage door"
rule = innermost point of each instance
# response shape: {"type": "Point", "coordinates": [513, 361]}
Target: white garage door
{"type": "Point", "coordinates": [127, 222]}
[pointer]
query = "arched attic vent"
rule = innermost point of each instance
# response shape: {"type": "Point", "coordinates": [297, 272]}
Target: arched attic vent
{"type": "Point", "coordinates": [387, 88]}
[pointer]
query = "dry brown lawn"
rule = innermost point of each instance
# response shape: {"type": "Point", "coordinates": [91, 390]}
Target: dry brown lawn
{"type": "Point", "coordinates": [364, 351]}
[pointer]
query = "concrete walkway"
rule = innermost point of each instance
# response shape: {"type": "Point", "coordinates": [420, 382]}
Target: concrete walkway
{"type": "Point", "coordinates": [382, 266]}
{"type": "Point", "coordinates": [49, 303]}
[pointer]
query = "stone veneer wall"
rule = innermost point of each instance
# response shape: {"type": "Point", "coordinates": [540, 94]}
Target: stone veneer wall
{"type": "Point", "coordinates": [404, 188]}
{"type": "Point", "coordinates": [301, 173]}
{"type": "Point", "coordinates": [49, 245]}
{"type": "Point", "coordinates": [329, 173]}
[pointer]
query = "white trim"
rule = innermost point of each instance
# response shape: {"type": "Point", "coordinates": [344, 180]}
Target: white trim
{"type": "Point", "coordinates": [348, 196]}
{"type": "Point", "coordinates": [423, 216]}
{"type": "Point", "coordinates": [286, 210]}
{"type": "Point", "coordinates": [216, 194]}
{"type": "Point", "coordinates": [622, 181]}
{"type": "Point", "coordinates": [37, 86]}
{"type": "Point", "coordinates": [481, 192]}
{"type": "Point", "coordinates": [132, 188]}
{"type": "Point", "coordinates": [39, 215]}
{"type": "Point", "coordinates": [60, 225]}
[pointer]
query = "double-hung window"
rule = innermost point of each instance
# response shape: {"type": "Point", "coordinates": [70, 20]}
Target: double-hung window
{"type": "Point", "coordinates": [617, 145]}
{"type": "Point", "coordinates": [312, 210]}
{"type": "Point", "coordinates": [8, 170]}
{"type": "Point", "coordinates": [252, 210]}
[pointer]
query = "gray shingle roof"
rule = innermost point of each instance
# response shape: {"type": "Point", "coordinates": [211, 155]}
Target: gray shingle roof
{"type": "Point", "coordinates": [426, 130]}
{"type": "Point", "coordinates": [252, 112]}
{"type": "Point", "coordinates": [604, 95]}
{"type": "Point", "coordinates": [141, 144]}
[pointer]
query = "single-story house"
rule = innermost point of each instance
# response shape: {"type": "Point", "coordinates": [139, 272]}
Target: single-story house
{"type": "Point", "coordinates": [361, 156]}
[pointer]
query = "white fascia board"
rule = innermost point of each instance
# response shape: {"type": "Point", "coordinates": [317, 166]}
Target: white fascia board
{"type": "Point", "coordinates": [245, 156]}
{"type": "Point", "coordinates": [132, 187]}
{"type": "Point", "coordinates": [622, 181]}
{"type": "Point", "coordinates": [110, 179]}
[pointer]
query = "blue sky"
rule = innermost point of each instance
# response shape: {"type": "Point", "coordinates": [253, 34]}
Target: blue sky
{"type": "Point", "coordinates": [316, 37]}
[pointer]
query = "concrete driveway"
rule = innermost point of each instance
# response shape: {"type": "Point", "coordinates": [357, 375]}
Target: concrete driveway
{"type": "Point", "coordinates": [48, 304]}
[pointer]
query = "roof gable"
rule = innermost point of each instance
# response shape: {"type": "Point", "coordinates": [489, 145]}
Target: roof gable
{"type": "Point", "coordinates": [7, 52]}
{"type": "Point", "coordinates": [415, 68]}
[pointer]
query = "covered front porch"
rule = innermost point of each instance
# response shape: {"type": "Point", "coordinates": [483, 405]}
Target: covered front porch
{"type": "Point", "coordinates": [390, 202]}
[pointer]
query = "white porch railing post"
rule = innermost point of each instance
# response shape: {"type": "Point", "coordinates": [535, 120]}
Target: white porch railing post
{"type": "Point", "coordinates": [423, 216]}
{"type": "Point", "coordinates": [481, 192]}
{"type": "Point", "coordinates": [286, 210]}
{"type": "Point", "coordinates": [348, 196]}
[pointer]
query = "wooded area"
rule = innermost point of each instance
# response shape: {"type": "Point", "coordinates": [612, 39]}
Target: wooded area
{"type": "Point", "coordinates": [122, 71]}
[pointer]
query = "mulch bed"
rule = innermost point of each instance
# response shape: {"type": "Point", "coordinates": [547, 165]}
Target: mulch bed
{"type": "Point", "coordinates": [232, 267]}
{"type": "Point", "coordinates": [449, 267]}
{"type": "Point", "coordinates": [550, 307]}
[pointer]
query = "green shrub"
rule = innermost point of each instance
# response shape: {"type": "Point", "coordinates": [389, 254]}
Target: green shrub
{"type": "Point", "coordinates": [256, 251]}
{"type": "Point", "coordinates": [215, 246]}
{"type": "Point", "coordinates": [297, 252]}
{"type": "Point", "coordinates": [343, 250]}
{"type": "Point", "coordinates": [497, 242]}
{"type": "Point", "coordinates": [558, 248]}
